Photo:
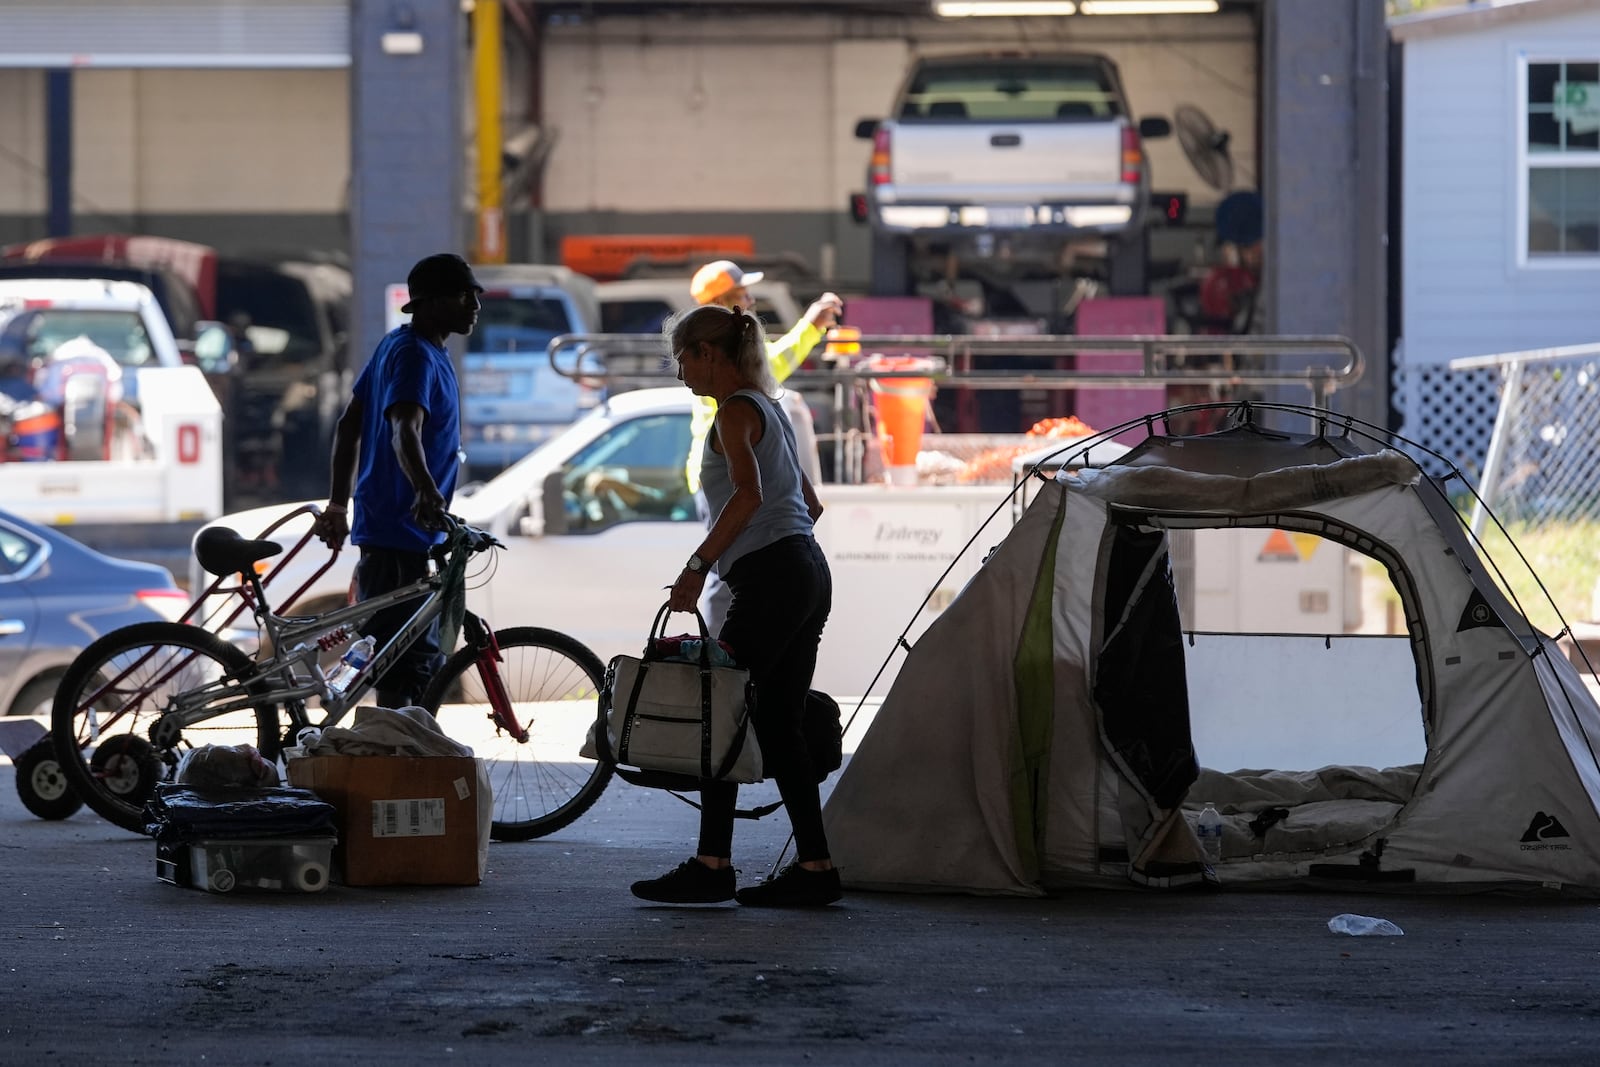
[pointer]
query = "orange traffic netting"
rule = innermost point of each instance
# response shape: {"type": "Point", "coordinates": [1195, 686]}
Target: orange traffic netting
{"type": "Point", "coordinates": [995, 463]}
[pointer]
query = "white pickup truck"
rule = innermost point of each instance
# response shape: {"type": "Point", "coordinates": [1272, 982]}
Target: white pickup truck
{"type": "Point", "coordinates": [1030, 149]}
{"type": "Point", "coordinates": [597, 523]}
{"type": "Point", "coordinates": [166, 465]}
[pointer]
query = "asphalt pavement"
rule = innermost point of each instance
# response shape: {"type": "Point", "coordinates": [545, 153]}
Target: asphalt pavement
{"type": "Point", "coordinates": [551, 960]}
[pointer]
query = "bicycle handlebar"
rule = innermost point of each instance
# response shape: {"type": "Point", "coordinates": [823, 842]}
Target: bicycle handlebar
{"type": "Point", "coordinates": [475, 539]}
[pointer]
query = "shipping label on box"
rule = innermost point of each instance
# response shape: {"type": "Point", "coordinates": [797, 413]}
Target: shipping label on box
{"type": "Point", "coordinates": [408, 818]}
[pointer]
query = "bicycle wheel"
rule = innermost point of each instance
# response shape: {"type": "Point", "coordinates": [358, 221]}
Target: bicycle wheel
{"type": "Point", "coordinates": [41, 786]}
{"type": "Point", "coordinates": [113, 695]}
{"type": "Point", "coordinates": [553, 682]}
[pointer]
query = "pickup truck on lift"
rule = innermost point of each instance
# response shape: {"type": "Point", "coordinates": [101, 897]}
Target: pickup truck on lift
{"type": "Point", "coordinates": [1011, 156]}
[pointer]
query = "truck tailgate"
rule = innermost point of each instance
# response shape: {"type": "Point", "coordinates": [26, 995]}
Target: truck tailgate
{"type": "Point", "coordinates": [932, 160]}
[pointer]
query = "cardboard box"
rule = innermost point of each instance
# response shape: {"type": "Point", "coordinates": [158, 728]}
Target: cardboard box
{"type": "Point", "coordinates": [403, 820]}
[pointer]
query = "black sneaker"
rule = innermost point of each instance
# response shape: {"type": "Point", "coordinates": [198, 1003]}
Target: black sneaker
{"type": "Point", "coordinates": [794, 887]}
{"type": "Point", "coordinates": [690, 882]}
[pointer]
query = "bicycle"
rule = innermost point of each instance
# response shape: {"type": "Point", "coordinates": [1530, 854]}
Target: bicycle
{"type": "Point", "coordinates": [133, 700]}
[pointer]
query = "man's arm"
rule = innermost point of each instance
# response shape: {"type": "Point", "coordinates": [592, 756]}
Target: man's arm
{"type": "Point", "coordinates": [786, 354]}
{"type": "Point", "coordinates": [333, 525]}
{"type": "Point", "coordinates": [405, 435]}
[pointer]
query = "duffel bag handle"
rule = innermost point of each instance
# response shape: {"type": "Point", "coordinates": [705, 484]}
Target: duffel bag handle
{"type": "Point", "coordinates": [659, 630]}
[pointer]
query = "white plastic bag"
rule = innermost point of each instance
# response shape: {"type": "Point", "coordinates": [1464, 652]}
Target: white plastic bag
{"type": "Point", "coordinates": [1363, 926]}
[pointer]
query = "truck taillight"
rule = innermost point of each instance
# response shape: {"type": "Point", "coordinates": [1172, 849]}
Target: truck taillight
{"type": "Point", "coordinates": [880, 156]}
{"type": "Point", "coordinates": [1132, 156]}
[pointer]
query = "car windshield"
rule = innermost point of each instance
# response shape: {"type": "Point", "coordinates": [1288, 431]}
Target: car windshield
{"type": "Point", "coordinates": [276, 311]}
{"type": "Point", "coordinates": [34, 335]}
{"type": "Point", "coordinates": [655, 441]}
{"type": "Point", "coordinates": [511, 323]}
{"type": "Point", "coordinates": [1000, 91]}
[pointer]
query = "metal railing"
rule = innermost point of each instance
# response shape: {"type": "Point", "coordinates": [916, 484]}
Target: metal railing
{"type": "Point", "coordinates": [1164, 359]}
{"type": "Point", "coordinates": [850, 363]}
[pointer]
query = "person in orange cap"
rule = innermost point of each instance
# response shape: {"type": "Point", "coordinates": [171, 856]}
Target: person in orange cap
{"type": "Point", "coordinates": [724, 284]}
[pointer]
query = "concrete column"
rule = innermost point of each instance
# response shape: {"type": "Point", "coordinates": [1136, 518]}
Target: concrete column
{"type": "Point", "coordinates": [1325, 176]}
{"type": "Point", "coordinates": [406, 86]}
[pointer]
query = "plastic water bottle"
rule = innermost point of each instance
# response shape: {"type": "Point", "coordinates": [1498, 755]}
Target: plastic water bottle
{"type": "Point", "coordinates": [1209, 827]}
{"type": "Point", "coordinates": [1363, 926]}
{"type": "Point", "coordinates": [355, 657]}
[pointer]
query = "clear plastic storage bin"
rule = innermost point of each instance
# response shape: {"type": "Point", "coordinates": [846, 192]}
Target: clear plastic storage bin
{"type": "Point", "coordinates": [284, 865]}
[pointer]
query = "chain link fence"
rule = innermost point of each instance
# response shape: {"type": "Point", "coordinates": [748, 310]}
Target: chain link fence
{"type": "Point", "coordinates": [1541, 474]}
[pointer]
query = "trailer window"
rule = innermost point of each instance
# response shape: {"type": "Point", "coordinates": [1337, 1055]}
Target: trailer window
{"type": "Point", "coordinates": [1561, 159]}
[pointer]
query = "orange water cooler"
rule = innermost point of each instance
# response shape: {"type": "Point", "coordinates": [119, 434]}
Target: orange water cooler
{"type": "Point", "coordinates": [901, 406]}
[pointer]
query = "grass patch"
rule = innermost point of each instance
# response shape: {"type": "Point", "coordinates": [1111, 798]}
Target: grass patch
{"type": "Point", "coordinates": [1564, 556]}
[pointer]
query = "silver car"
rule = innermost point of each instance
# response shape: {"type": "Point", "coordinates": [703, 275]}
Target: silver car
{"type": "Point", "coordinates": [56, 596]}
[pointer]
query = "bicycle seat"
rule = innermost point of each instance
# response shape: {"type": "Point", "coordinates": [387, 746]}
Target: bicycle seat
{"type": "Point", "coordinates": [222, 551]}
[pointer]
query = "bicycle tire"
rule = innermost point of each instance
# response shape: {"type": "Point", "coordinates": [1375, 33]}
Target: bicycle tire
{"type": "Point", "coordinates": [126, 678]}
{"type": "Point", "coordinates": [542, 784]}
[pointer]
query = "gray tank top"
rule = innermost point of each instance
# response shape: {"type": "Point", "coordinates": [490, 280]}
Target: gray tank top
{"type": "Point", "coordinates": [783, 506]}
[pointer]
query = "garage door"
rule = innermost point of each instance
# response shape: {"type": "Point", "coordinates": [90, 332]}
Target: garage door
{"type": "Point", "coordinates": [175, 33]}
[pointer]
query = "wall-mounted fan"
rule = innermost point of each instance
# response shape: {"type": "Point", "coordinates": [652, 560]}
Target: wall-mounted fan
{"type": "Point", "coordinates": [1205, 145]}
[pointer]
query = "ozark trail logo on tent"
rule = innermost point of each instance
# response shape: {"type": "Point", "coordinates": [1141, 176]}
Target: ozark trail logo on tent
{"type": "Point", "coordinates": [1541, 830]}
{"type": "Point", "coordinates": [1477, 613]}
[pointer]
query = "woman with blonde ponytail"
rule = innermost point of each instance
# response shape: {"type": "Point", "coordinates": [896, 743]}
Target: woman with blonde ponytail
{"type": "Point", "coordinates": [761, 545]}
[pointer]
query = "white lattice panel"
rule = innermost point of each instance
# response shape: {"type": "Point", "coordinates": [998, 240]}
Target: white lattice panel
{"type": "Point", "coordinates": [1451, 412]}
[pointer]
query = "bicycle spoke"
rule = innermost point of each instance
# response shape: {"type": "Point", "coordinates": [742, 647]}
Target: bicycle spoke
{"type": "Point", "coordinates": [552, 684]}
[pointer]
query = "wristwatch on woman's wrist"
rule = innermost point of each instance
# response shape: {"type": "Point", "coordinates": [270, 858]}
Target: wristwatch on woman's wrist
{"type": "Point", "coordinates": [696, 564]}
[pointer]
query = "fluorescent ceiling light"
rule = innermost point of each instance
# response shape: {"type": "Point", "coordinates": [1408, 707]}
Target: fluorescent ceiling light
{"type": "Point", "coordinates": [1148, 7]}
{"type": "Point", "coordinates": [957, 9]}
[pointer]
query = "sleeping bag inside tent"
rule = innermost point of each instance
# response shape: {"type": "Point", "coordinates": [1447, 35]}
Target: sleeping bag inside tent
{"type": "Point", "coordinates": [1060, 725]}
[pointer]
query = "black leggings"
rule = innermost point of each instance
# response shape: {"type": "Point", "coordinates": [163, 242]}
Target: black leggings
{"type": "Point", "coordinates": [781, 597]}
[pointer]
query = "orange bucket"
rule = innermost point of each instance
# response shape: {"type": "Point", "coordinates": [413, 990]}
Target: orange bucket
{"type": "Point", "coordinates": [901, 405]}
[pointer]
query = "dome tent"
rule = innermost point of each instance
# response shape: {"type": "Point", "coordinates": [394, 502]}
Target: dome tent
{"type": "Point", "coordinates": [1038, 736]}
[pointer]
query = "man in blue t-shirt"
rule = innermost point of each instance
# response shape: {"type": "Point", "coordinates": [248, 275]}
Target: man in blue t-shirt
{"type": "Point", "coordinates": [403, 426]}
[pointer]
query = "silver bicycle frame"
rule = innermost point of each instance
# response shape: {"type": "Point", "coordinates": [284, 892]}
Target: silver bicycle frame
{"type": "Point", "coordinates": [218, 698]}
